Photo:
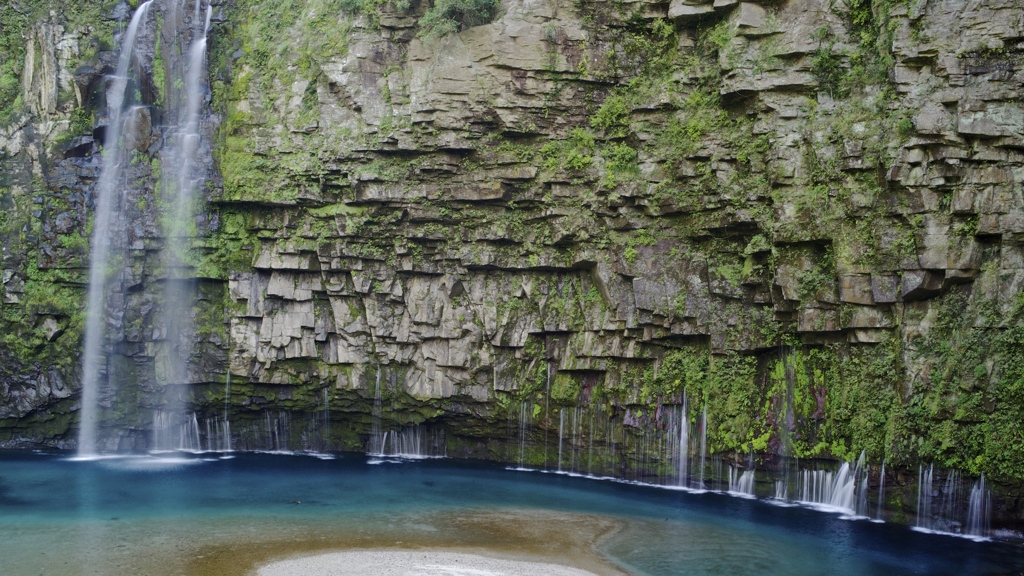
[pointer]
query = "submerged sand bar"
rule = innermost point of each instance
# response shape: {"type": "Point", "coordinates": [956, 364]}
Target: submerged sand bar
{"type": "Point", "coordinates": [412, 563]}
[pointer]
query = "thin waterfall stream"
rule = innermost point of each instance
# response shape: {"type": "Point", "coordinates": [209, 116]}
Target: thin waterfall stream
{"type": "Point", "coordinates": [106, 239]}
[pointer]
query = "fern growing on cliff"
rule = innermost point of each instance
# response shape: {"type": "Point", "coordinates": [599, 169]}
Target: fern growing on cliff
{"type": "Point", "coordinates": [447, 16]}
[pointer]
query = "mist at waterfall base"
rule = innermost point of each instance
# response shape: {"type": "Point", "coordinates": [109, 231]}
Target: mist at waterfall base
{"type": "Point", "coordinates": [53, 509]}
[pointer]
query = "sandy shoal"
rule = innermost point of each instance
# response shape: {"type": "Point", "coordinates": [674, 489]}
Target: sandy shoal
{"type": "Point", "coordinates": [412, 563]}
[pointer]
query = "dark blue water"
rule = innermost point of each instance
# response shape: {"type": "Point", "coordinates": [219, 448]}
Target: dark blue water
{"type": "Point", "coordinates": [667, 532]}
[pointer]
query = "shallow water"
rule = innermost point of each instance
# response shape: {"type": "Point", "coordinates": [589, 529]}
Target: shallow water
{"type": "Point", "coordinates": [204, 514]}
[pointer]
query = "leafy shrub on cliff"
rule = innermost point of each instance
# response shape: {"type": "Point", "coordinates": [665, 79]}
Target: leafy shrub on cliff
{"type": "Point", "coordinates": [447, 16]}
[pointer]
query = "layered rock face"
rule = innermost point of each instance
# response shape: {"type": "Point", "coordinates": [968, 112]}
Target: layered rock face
{"type": "Point", "coordinates": [804, 216]}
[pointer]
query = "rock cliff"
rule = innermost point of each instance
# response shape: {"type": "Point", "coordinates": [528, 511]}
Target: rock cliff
{"type": "Point", "coordinates": [804, 216]}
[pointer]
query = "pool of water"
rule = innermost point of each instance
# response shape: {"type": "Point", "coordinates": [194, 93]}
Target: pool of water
{"type": "Point", "coordinates": [176, 511]}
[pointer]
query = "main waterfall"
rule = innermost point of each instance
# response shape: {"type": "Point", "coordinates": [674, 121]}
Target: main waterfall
{"type": "Point", "coordinates": [181, 179]}
{"type": "Point", "coordinates": [109, 198]}
{"type": "Point", "coordinates": [129, 139]}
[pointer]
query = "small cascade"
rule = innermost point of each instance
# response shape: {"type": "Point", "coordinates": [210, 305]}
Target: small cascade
{"type": "Point", "coordinates": [703, 444]}
{"type": "Point", "coordinates": [547, 412]}
{"type": "Point", "coordinates": [881, 492]}
{"type": "Point", "coordinates": [861, 473]}
{"type": "Point", "coordinates": [781, 490]}
{"type": "Point", "coordinates": [325, 432]}
{"type": "Point", "coordinates": [561, 434]}
{"type": "Point", "coordinates": [413, 442]}
{"type": "Point", "coordinates": [946, 508]}
{"type": "Point", "coordinates": [277, 431]}
{"type": "Point", "coordinates": [979, 510]}
{"type": "Point", "coordinates": [837, 490]}
{"type": "Point", "coordinates": [106, 238]}
{"type": "Point", "coordinates": [573, 435]}
{"type": "Point", "coordinates": [226, 431]}
{"type": "Point", "coordinates": [524, 412]}
{"type": "Point", "coordinates": [171, 432]}
{"type": "Point", "coordinates": [377, 439]}
{"type": "Point", "coordinates": [590, 443]}
{"type": "Point", "coordinates": [407, 442]}
{"type": "Point", "coordinates": [218, 434]}
{"type": "Point", "coordinates": [190, 439]}
{"type": "Point", "coordinates": [741, 483]}
{"type": "Point", "coordinates": [683, 468]}
{"type": "Point", "coordinates": [924, 496]}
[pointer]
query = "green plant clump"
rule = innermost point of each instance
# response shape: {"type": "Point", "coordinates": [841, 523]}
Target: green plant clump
{"type": "Point", "coordinates": [447, 16]}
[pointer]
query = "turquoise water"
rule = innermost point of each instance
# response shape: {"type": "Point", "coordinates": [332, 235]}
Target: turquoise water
{"type": "Point", "coordinates": [49, 503]}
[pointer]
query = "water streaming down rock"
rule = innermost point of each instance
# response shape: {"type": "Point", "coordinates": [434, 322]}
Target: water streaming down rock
{"type": "Point", "coordinates": [979, 510]}
{"type": "Point", "coordinates": [741, 482]}
{"type": "Point", "coordinates": [683, 468]}
{"type": "Point", "coordinates": [218, 434]}
{"type": "Point", "coordinates": [181, 181]}
{"type": "Point", "coordinates": [227, 412]}
{"type": "Point", "coordinates": [843, 490]}
{"type": "Point", "coordinates": [413, 442]}
{"type": "Point", "coordinates": [523, 427]}
{"type": "Point", "coordinates": [325, 426]}
{"type": "Point", "coordinates": [376, 444]}
{"type": "Point", "coordinates": [946, 508]}
{"type": "Point", "coordinates": [409, 441]}
{"type": "Point", "coordinates": [106, 237]}
{"type": "Point", "coordinates": [561, 435]}
{"type": "Point", "coordinates": [703, 444]}
{"type": "Point", "coordinates": [881, 492]}
{"type": "Point", "coordinates": [924, 496]}
{"type": "Point", "coordinates": [781, 490]}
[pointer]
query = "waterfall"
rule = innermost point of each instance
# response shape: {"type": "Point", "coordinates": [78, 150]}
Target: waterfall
{"type": "Point", "coordinates": [836, 490]}
{"type": "Point", "coordinates": [703, 443]}
{"type": "Point", "coordinates": [377, 437]}
{"type": "Point", "coordinates": [326, 432]}
{"type": "Point", "coordinates": [979, 510]}
{"type": "Point", "coordinates": [741, 484]}
{"type": "Point", "coordinates": [523, 406]}
{"type": "Point", "coordinates": [182, 178]}
{"type": "Point", "coordinates": [881, 491]}
{"type": "Point", "coordinates": [561, 433]}
{"type": "Point", "coordinates": [547, 413]}
{"type": "Point", "coordinates": [924, 496]}
{"type": "Point", "coordinates": [781, 490]}
{"type": "Point", "coordinates": [590, 439]}
{"type": "Point", "coordinates": [226, 438]}
{"type": "Point", "coordinates": [684, 445]}
{"type": "Point", "coordinates": [108, 201]}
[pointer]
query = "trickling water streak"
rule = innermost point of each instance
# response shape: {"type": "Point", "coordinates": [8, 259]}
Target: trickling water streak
{"type": "Point", "coordinates": [561, 428]}
{"type": "Point", "coordinates": [979, 510]}
{"type": "Point", "coordinates": [377, 438]}
{"type": "Point", "coordinates": [547, 416]}
{"type": "Point", "coordinates": [703, 443]}
{"type": "Point", "coordinates": [924, 496]}
{"type": "Point", "coordinates": [781, 490]}
{"type": "Point", "coordinates": [684, 444]}
{"type": "Point", "coordinates": [573, 440]}
{"type": "Point", "coordinates": [108, 207]}
{"type": "Point", "coordinates": [881, 491]}
{"type": "Point", "coordinates": [326, 435]}
{"type": "Point", "coordinates": [522, 433]}
{"type": "Point", "coordinates": [226, 438]}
